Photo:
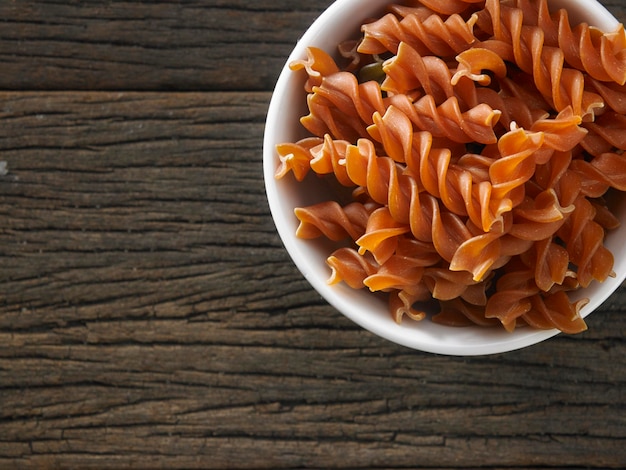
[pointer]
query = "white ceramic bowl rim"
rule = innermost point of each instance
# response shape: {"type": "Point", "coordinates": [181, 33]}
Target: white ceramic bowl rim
{"type": "Point", "coordinates": [288, 105]}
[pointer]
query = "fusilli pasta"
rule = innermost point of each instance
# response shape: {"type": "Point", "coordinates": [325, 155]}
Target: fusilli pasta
{"type": "Point", "coordinates": [479, 139]}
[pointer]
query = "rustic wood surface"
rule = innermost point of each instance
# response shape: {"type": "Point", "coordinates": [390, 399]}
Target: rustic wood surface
{"type": "Point", "coordinates": [149, 315]}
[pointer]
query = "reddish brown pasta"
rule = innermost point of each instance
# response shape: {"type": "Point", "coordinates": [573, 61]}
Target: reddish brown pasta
{"type": "Point", "coordinates": [421, 29]}
{"type": "Point", "coordinates": [296, 157]}
{"type": "Point", "coordinates": [600, 55]}
{"type": "Point", "coordinates": [350, 267]}
{"type": "Point", "coordinates": [333, 221]}
{"type": "Point", "coordinates": [479, 139]}
{"type": "Point", "coordinates": [519, 43]}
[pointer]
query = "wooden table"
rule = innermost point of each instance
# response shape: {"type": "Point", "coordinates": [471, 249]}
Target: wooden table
{"type": "Point", "coordinates": [149, 315]}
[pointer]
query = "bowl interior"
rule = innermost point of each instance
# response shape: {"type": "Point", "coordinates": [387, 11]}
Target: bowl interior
{"type": "Point", "coordinates": [339, 22]}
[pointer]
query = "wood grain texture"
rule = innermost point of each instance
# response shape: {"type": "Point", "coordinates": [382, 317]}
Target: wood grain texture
{"type": "Point", "coordinates": [149, 315]}
{"type": "Point", "coordinates": [133, 45]}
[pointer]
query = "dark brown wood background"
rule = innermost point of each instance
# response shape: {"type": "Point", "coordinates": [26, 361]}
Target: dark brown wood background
{"type": "Point", "coordinates": [149, 315]}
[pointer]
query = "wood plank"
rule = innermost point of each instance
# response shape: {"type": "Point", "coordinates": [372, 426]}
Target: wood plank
{"type": "Point", "coordinates": [159, 45]}
{"type": "Point", "coordinates": [149, 316]}
{"type": "Point", "coordinates": [135, 45]}
{"type": "Point", "coordinates": [212, 453]}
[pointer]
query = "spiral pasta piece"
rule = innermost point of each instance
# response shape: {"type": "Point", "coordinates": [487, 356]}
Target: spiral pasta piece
{"type": "Point", "coordinates": [337, 103]}
{"type": "Point", "coordinates": [333, 221]}
{"type": "Point", "coordinates": [404, 269]}
{"type": "Point", "coordinates": [381, 235]}
{"type": "Point", "coordinates": [409, 72]}
{"type": "Point", "coordinates": [317, 65]}
{"type": "Point", "coordinates": [346, 100]}
{"type": "Point", "coordinates": [426, 33]}
{"type": "Point", "coordinates": [477, 255]}
{"type": "Point", "coordinates": [381, 177]}
{"type": "Point", "coordinates": [474, 63]}
{"type": "Point", "coordinates": [403, 303]}
{"type": "Point", "coordinates": [445, 284]}
{"type": "Point", "coordinates": [329, 158]}
{"type": "Point", "coordinates": [349, 266]}
{"type": "Point", "coordinates": [551, 263]}
{"type": "Point", "coordinates": [512, 298]}
{"type": "Point", "coordinates": [447, 120]}
{"type": "Point", "coordinates": [296, 157]}
{"type": "Point", "coordinates": [326, 118]}
{"type": "Point", "coordinates": [561, 133]}
{"type": "Point", "coordinates": [396, 273]}
{"type": "Point", "coordinates": [556, 311]}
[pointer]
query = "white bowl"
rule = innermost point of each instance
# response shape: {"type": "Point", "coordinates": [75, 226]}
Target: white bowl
{"type": "Point", "coordinates": [339, 22]}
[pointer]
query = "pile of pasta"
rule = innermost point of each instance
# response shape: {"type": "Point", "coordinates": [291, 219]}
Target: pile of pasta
{"type": "Point", "coordinates": [478, 141]}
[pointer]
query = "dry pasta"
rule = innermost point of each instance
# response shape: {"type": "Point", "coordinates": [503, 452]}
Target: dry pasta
{"type": "Point", "coordinates": [479, 140]}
